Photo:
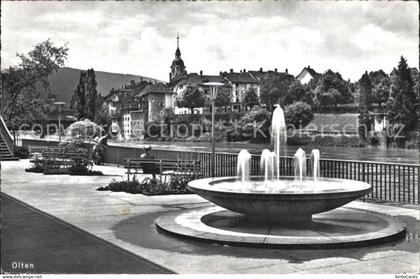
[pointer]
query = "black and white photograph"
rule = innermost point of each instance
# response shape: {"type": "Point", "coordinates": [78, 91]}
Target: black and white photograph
{"type": "Point", "coordinates": [213, 138]}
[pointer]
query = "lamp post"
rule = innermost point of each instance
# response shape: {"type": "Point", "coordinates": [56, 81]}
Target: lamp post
{"type": "Point", "coordinates": [213, 94]}
{"type": "Point", "coordinates": [59, 106]}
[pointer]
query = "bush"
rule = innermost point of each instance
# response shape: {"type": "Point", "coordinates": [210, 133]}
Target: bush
{"type": "Point", "coordinates": [82, 170]}
{"type": "Point", "coordinates": [22, 152]}
{"type": "Point", "coordinates": [300, 139]}
{"type": "Point", "coordinates": [204, 138]}
{"type": "Point", "coordinates": [325, 140]}
{"type": "Point", "coordinates": [148, 186]}
{"type": "Point", "coordinates": [37, 168]}
{"type": "Point", "coordinates": [298, 114]}
{"type": "Point", "coordinates": [191, 139]}
{"type": "Point", "coordinates": [250, 123]}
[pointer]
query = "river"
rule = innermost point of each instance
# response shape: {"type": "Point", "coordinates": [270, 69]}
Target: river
{"type": "Point", "coordinates": [392, 155]}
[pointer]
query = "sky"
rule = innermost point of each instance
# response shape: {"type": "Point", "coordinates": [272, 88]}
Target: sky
{"type": "Point", "coordinates": [140, 37]}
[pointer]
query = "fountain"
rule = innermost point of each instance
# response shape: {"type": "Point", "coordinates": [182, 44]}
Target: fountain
{"type": "Point", "coordinates": [316, 170]}
{"type": "Point", "coordinates": [278, 135]}
{"type": "Point", "coordinates": [300, 165]}
{"type": "Point", "coordinates": [244, 165]}
{"type": "Point", "coordinates": [275, 210]}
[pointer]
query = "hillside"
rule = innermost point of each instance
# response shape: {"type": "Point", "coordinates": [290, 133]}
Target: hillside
{"type": "Point", "coordinates": [65, 80]}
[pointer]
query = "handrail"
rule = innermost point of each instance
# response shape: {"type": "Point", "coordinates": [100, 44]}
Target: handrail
{"type": "Point", "coordinates": [7, 137]}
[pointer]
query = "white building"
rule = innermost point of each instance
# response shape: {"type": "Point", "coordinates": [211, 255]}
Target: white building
{"type": "Point", "coordinates": [306, 75]}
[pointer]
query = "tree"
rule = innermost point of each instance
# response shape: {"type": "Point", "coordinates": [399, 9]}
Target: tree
{"type": "Point", "coordinates": [272, 89]}
{"type": "Point", "coordinates": [191, 98]}
{"type": "Point", "coordinates": [402, 102]}
{"type": "Point", "coordinates": [222, 98]}
{"type": "Point", "coordinates": [331, 89]}
{"type": "Point", "coordinates": [365, 104]}
{"type": "Point", "coordinates": [27, 96]}
{"type": "Point", "coordinates": [254, 125]}
{"type": "Point", "coordinates": [381, 86]}
{"type": "Point", "coordinates": [298, 92]}
{"type": "Point", "coordinates": [167, 117]}
{"type": "Point", "coordinates": [101, 113]}
{"type": "Point", "coordinates": [298, 114]}
{"type": "Point", "coordinates": [250, 98]}
{"type": "Point", "coordinates": [85, 97]}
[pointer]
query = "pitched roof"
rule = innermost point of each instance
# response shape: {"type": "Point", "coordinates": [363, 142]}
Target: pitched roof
{"type": "Point", "coordinates": [243, 77]}
{"type": "Point", "coordinates": [154, 88]}
{"type": "Point", "coordinates": [311, 71]}
{"type": "Point", "coordinates": [197, 79]}
{"type": "Point", "coordinates": [260, 75]}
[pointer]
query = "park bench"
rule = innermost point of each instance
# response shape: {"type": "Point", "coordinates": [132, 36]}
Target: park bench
{"type": "Point", "coordinates": [52, 159]}
{"type": "Point", "coordinates": [162, 167]}
{"type": "Point", "coordinates": [36, 153]}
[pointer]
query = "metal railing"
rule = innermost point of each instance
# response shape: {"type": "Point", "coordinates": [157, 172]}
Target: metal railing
{"type": "Point", "coordinates": [7, 137]}
{"type": "Point", "coordinates": [390, 181]}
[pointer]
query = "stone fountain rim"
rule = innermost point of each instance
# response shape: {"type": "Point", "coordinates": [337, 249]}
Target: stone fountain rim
{"type": "Point", "coordinates": [205, 185]}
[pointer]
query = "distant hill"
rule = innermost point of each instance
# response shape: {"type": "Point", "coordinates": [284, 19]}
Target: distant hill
{"type": "Point", "coordinates": [65, 80]}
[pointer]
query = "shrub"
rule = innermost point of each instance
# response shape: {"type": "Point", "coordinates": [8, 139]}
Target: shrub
{"type": "Point", "coordinates": [204, 137]}
{"type": "Point", "coordinates": [298, 114]}
{"type": "Point", "coordinates": [191, 139]}
{"type": "Point", "coordinates": [82, 170]}
{"type": "Point", "coordinates": [300, 139]}
{"type": "Point", "coordinates": [37, 168]}
{"type": "Point", "coordinates": [325, 140]}
{"type": "Point", "coordinates": [22, 152]}
{"type": "Point", "coordinates": [148, 186]}
{"type": "Point", "coordinates": [257, 118]}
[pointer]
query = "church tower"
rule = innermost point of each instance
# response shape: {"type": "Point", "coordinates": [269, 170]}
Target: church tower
{"type": "Point", "coordinates": [177, 67]}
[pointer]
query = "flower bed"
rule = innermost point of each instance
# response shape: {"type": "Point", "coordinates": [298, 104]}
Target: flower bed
{"type": "Point", "coordinates": [149, 187]}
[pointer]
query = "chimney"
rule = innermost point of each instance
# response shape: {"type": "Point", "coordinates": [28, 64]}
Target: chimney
{"type": "Point", "coordinates": [275, 70]}
{"type": "Point", "coordinates": [220, 73]}
{"type": "Point", "coordinates": [201, 73]}
{"type": "Point", "coordinates": [309, 67]}
{"type": "Point", "coordinates": [132, 82]}
{"type": "Point", "coordinates": [244, 71]}
{"type": "Point", "coordinates": [261, 70]}
{"type": "Point", "coordinates": [287, 71]}
{"type": "Point", "coordinates": [141, 79]}
{"type": "Point", "coordinates": [231, 70]}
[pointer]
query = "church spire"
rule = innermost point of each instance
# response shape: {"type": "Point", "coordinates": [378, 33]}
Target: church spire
{"type": "Point", "coordinates": [177, 52]}
{"type": "Point", "coordinates": [177, 40]}
{"type": "Point", "coordinates": [177, 67]}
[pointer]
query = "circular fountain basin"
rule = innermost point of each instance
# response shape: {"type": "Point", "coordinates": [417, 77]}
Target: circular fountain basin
{"type": "Point", "coordinates": [285, 200]}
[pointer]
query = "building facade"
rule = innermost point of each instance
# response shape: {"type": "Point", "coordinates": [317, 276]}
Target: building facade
{"type": "Point", "coordinates": [306, 75]}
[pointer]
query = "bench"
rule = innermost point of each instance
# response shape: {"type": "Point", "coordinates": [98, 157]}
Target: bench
{"type": "Point", "coordinates": [54, 159]}
{"type": "Point", "coordinates": [163, 167]}
{"type": "Point", "coordinates": [36, 153]}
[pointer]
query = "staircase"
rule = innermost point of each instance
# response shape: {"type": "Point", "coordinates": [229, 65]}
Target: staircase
{"type": "Point", "coordinates": [6, 143]}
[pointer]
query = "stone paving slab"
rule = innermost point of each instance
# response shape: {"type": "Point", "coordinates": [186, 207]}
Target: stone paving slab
{"type": "Point", "coordinates": [127, 220]}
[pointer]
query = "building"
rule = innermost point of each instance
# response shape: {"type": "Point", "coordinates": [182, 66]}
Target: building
{"type": "Point", "coordinates": [240, 83]}
{"type": "Point", "coordinates": [197, 81]}
{"type": "Point", "coordinates": [151, 100]}
{"type": "Point", "coordinates": [177, 67]}
{"type": "Point", "coordinates": [237, 83]}
{"type": "Point", "coordinates": [307, 74]}
{"type": "Point", "coordinates": [119, 103]}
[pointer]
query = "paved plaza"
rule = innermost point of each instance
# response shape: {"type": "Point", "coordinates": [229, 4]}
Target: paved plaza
{"type": "Point", "coordinates": [126, 222]}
